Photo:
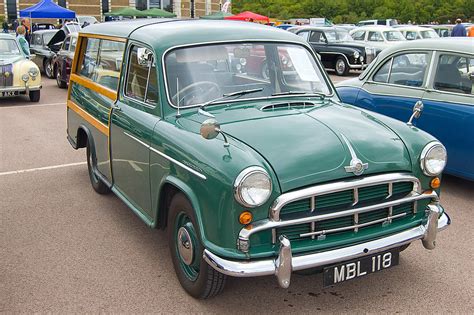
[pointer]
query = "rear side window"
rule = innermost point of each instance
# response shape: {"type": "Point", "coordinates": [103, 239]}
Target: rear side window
{"type": "Point", "coordinates": [304, 34]}
{"type": "Point", "coordinates": [375, 37]}
{"type": "Point", "coordinates": [455, 74]}
{"type": "Point", "coordinates": [142, 83]}
{"type": "Point", "coordinates": [102, 61]}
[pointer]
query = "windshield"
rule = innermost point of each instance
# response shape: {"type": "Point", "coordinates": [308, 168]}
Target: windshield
{"type": "Point", "coordinates": [47, 37]}
{"type": "Point", "coordinates": [9, 47]}
{"type": "Point", "coordinates": [338, 36]}
{"type": "Point", "coordinates": [197, 75]}
{"type": "Point", "coordinates": [393, 36]}
{"type": "Point", "coordinates": [429, 34]}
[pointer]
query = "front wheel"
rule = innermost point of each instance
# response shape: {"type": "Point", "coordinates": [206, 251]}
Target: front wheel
{"type": "Point", "coordinates": [196, 277]}
{"type": "Point", "coordinates": [48, 68]}
{"type": "Point", "coordinates": [35, 96]}
{"type": "Point", "coordinates": [341, 66]}
{"type": "Point", "coordinates": [61, 84]}
{"type": "Point", "coordinates": [98, 185]}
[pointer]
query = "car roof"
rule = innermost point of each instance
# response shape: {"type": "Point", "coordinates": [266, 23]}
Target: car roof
{"type": "Point", "coordinates": [165, 33]}
{"type": "Point", "coordinates": [318, 28]}
{"type": "Point", "coordinates": [413, 28]}
{"type": "Point", "coordinates": [458, 44]}
{"type": "Point", "coordinates": [374, 28]}
{"type": "Point", "coordinates": [6, 36]}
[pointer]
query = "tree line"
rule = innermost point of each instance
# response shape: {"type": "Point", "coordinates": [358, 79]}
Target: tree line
{"type": "Point", "coordinates": [352, 11]}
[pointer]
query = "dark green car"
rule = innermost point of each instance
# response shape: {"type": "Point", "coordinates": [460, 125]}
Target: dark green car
{"type": "Point", "coordinates": [231, 136]}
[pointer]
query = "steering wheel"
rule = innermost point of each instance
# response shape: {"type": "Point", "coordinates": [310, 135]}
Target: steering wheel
{"type": "Point", "coordinates": [197, 92]}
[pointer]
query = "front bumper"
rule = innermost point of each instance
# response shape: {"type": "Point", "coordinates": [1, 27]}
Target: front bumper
{"type": "Point", "coordinates": [285, 263]}
{"type": "Point", "coordinates": [20, 89]}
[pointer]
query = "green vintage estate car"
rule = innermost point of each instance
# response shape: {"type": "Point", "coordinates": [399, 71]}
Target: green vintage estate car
{"type": "Point", "coordinates": [250, 174]}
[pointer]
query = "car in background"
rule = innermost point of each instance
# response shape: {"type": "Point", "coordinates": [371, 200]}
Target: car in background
{"type": "Point", "coordinates": [386, 22]}
{"type": "Point", "coordinates": [285, 26]}
{"type": "Point", "coordinates": [43, 26]}
{"type": "Point", "coordinates": [18, 75]}
{"type": "Point", "coordinates": [437, 72]}
{"type": "Point", "coordinates": [336, 47]}
{"type": "Point", "coordinates": [82, 19]}
{"type": "Point", "coordinates": [441, 30]}
{"type": "Point", "coordinates": [417, 32]}
{"type": "Point", "coordinates": [377, 36]}
{"type": "Point", "coordinates": [42, 51]}
{"type": "Point", "coordinates": [63, 60]}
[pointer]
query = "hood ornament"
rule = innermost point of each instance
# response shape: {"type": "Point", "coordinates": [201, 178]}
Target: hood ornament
{"type": "Point", "coordinates": [356, 166]}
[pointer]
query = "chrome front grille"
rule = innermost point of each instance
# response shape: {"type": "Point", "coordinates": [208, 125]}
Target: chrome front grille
{"type": "Point", "coordinates": [6, 75]}
{"type": "Point", "coordinates": [342, 207]}
{"type": "Point", "coordinates": [370, 55]}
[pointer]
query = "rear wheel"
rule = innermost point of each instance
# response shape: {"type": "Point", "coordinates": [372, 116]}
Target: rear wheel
{"type": "Point", "coordinates": [98, 185]}
{"type": "Point", "coordinates": [61, 84]}
{"type": "Point", "coordinates": [35, 96]}
{"type": "Point", "coordinates": [341, 66]}
{"type": "Point", "coordinates": [196, 277]}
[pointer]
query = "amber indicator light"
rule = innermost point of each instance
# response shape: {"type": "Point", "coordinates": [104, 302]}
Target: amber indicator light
{"type": "Point", "coordinates": [245, 217]}
{"type": "Point", "coordinates": [435, 183]}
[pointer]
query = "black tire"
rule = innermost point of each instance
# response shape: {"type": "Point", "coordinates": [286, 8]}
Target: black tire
{"type": "Point", "coordinates": [48, 68]}
{"type": "Point", "coordinates": [197, 278]}
{"type": "Point", "coordinates": [98, 185]}
{"type": "Point", "coordinates": [35, 96]}
{"type": "Point", "coordinates": [57, 74]}
{"type": "Point", "coordinates": [341, 66]}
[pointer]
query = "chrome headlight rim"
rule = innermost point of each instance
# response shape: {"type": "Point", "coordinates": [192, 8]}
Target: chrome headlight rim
{"type": "Point", "coordinates": [356, 54]}
{"type": "Point", "coordinates": [33, 72]}
{"type": "Point", "coordinates": [425, 153]}
{"type": "Point", "coordinates": [240, 179]}
{"type": "Point", "coordinates": [25, 77]}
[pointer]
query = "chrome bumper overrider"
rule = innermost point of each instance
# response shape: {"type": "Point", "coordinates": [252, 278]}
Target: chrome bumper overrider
{"type": "Point", "coordinates": [286, 263]}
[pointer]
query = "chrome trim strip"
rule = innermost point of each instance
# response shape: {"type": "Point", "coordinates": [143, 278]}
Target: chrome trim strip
{"type": "Point", "coordinates": [169, 158]}
{"type": "Point", "coordinates": [286, 198]}
{"type": "Point", "coordinates": [303, 44]}
{"type": "Point", "coordinates": [355, 226]}
{"type": "Point", "coordinates": [265, 267]}
{"type": "Point", "coordinates": [266, 224]}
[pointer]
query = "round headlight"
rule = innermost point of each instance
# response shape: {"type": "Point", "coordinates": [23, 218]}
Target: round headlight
{"type": "Point", "coordinates": [252, 187]}
{"type": "Point", "coordinates": [361, 58]}
{"type": "Point", "coordinates": [433, 159]}
{"type": "Point", "coordinates": [33, 72]}
{"type": "Point", "coordinates": [243, 61]}
{"type": "Point", "coordinates": [25, 77]}
{"type": "Point", "coordinates": [356, 54]}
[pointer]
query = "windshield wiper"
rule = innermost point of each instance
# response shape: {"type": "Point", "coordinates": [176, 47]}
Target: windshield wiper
{"type": "Point", "coordinates": [224, 96]}
{"type": "Point", "coordinates": [321, 95]}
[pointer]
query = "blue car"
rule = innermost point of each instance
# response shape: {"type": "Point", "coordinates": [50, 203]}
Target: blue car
{"type": "Point", "coordinates": [440, 74]}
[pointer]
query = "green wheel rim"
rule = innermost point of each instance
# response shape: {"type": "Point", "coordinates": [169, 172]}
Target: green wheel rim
{"type": "Point", "coordinates": [184, 233]}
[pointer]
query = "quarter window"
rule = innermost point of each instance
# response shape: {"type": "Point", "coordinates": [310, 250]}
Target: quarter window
{"type": "Point", "coordinates": [142, 83]}
{"type": "Point", "coordinates": [102, 61]}
{"type": "Point", "coordinates": [407, 69]}
{"type": "Point", "coordinates": [375, 37]}
{"type": "Point", "coordinates": [455, 74]}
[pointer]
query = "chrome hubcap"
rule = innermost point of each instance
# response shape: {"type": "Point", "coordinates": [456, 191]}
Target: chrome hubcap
{"type": "Point", "coordinates": [185, 246]}
{"type": "Point", "coordinates": [340, 66]}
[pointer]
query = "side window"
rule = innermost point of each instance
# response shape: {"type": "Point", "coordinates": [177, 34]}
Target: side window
{"type": "Point", "coordinates": [73, 44]}
{"type": "Point", "coordinates": [66, 44]}
{"type": "Point", "coordinates": [455, 74]}
{"type": "Point", "coordinates": [375, 37]}
{"type": "Point", "coordinates": [407, 69]}
{"type": "Point", "coordinates": [410, 35]}
{"type": "Point", "coordinates": [142, 83]}
{"type": "Point", "coordinates": [304, 34]}
{"type": "Point", "coordinates": [381, 22]}
{"type": "Point", "coordinates": [382, 74]}
{"type": "Point", "coordinates": [102, 61]}
{"type": "Point", "coordinates": [89, 61]}
{"type": "Point", "coordinates": [316, 37]}
{"type": "Point", "coordinates": [359, 35]}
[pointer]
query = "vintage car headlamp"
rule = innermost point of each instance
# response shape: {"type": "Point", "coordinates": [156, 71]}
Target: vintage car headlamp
{"type": "Point", "coordinates": [33, 72]}
{"type": "Point", "coordinates": [252, 187]}
{"type": "Point", "coordinates": [243, 61]}
{"type": "Point", "coordinates": [25, 77]}
{"type": "Point", "coordinates": [356, 54]}
{"type": "Point", "coordinates": [361, 58]}
{"type": "Point", "coordinates": [433, 159]}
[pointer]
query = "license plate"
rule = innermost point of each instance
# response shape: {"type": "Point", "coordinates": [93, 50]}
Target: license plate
{"type": "Point", "coordinates": [9, 93]}
{"type": "Point", "coordinates": [360, 267]}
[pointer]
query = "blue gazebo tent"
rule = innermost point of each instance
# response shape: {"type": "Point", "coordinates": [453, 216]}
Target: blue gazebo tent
{"type": "Point", "coordinates": [47, 9]}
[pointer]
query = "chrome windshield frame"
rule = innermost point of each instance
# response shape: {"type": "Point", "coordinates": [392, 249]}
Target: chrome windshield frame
{"type": "Point", "coordinates": [324, 75]}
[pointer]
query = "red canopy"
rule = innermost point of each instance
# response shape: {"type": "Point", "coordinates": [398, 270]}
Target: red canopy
{"type": "Point", "coordinates": [248, 16]}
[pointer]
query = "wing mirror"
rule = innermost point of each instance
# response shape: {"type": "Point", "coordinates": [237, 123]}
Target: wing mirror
{"type": "Point", "coordinates": [144, 56]}
{"type": "Point", "coordinates": [210, 129]}
{"type": "Point", "coordinates": [417, 110]}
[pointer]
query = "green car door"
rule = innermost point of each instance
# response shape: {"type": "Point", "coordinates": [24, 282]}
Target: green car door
{"type": "Point", "coordinates": [132, 121]}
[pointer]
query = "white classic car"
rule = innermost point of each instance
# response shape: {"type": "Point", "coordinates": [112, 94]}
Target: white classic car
{"type": "Point", "coordinates": [18, 75]}
{"type": "Point", "coordinates": [377, 36]}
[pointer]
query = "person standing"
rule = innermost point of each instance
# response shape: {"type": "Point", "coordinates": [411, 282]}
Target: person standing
{"type": "Point", "coordinates": [25, 47]}
{"type": "Point", "coordinates": [5, 26]}
{"type": "Point", "coordinates": [459, 30]}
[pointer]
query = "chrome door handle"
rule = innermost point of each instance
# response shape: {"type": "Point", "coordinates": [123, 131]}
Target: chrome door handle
{"type": "Point", "coordinates": [115, 107]}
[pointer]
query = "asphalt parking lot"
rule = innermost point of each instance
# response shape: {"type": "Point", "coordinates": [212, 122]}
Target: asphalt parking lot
{"type": "Point", "coordinates": [64, 248]}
